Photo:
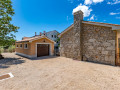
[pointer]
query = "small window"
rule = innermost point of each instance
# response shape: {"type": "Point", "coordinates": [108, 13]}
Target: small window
{"type": "Point", "coordinates": [25, 46]}
{"type": "Point", "coordinates": [52, 36]}
{"type": "Point", "coordinates": [20, 45]}
{"type": "Point", "coordinates": [17, 46]}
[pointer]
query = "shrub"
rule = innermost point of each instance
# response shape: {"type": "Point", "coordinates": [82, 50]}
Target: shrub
{"type": "Point", "coordinates": [1, 50]}
{"type": "Point", "coordinates": [11, 48]}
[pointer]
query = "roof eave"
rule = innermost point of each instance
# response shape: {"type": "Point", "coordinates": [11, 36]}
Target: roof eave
{"type": "Point", "coordinates": [36, 39]}
{"type": "Point", "coordinates": [21, 41]}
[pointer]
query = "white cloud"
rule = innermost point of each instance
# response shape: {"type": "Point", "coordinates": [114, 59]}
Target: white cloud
{"type": "Point", "coordinates": [97, 1]}
{"type": "Point", "coordinates": [112, 13]}
{"type": "Point", "coordinates": [108, 2]}
{"type": "Point", "coordinates": [88, 2]}
{"type": "Point", "coordinates": [86, 10]}
{"type": "Point", "coordinates": [114, 2]}
{"type": "Point", "coordinates": [92, 1]}
{"type": "Point", "coordinates": [92, 17]}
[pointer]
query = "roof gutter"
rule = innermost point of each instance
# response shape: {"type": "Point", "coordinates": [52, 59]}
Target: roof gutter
{"type": "Point", "coordinates": [21, 41]}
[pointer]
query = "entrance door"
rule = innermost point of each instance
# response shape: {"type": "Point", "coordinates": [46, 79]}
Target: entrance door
{"type": "Point", "coordinates": [42, 50]}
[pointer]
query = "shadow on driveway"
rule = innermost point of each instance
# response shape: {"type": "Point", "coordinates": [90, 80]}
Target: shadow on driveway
{"type": "Point", "coordinates": [44, 57]}
{"type": "Point", "coordinates": [39, 58]}
{"type": "Point", "coordinates": [6, 62]}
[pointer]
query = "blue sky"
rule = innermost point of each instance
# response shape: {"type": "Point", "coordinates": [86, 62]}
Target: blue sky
{"type": "Point", "coordinates": [47, 15]}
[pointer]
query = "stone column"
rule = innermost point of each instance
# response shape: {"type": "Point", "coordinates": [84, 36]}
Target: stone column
{"type": "Point", "coordinates": [77, 52]}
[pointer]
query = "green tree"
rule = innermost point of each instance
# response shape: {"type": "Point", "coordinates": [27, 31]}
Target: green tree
{"type": "Point", "coordinates": [7, 29]}
{"type": "Point", "coordinates": [8, 42]}
{"type": "Point", "coordinates": [58, 40]}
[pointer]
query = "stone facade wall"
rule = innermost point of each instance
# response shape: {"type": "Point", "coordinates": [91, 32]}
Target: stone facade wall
{"type": "Point", "coordinates": [98, 44]}
{"type": "Point", "coordinates": [66, 44]}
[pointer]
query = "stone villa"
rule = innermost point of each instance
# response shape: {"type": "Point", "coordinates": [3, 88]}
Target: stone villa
{"type": "Point", "coordinates": [91, 41]}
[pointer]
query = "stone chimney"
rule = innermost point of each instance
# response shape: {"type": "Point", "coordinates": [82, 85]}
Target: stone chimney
{"type": "Point", "coordinates": [40, 34]}
{"type": "Point", "coordinates": [44, 33]}
{"type": "Point", "coordinates": [35, 33]}
{"type": "Point", "coordinates": [77, 47]}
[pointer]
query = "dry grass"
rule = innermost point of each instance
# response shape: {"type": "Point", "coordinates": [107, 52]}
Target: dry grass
{"type": "Point", "coordinates": [59, 73]}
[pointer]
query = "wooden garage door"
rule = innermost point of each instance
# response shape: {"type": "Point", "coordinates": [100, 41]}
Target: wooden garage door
{"type": "Point", "coordinates": [42, 50]}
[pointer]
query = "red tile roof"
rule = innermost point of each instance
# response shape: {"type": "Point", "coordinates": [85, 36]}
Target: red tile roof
{"type": "Point", "coordinates": [33, 38]}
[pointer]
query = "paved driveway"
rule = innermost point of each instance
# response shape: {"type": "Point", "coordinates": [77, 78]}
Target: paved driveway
{"type": "Point", "coordinates": [57, 73]}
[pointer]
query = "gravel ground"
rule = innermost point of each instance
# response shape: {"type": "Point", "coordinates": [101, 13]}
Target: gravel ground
{"type": "Point", "coordinates": [57, 73]}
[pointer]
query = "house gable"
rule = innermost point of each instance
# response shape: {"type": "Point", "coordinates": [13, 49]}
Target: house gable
{"type": "Point", "coordinates": [42, 38]}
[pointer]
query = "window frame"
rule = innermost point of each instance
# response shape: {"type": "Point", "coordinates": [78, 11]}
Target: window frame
{"type": "Point", "coordinates": [52, 36]}
{"type": "Point", "coordinates": [55, 36]}
{"type": "Point", "coordinates": [25, 45]}
{"type": "Point", "coordinates": [17, 46]}
{"type": "Point", "coordinates": [20, 45]}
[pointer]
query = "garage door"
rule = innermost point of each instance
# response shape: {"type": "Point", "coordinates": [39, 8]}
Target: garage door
{"type": "Point", "coordinates": [42, 50]}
